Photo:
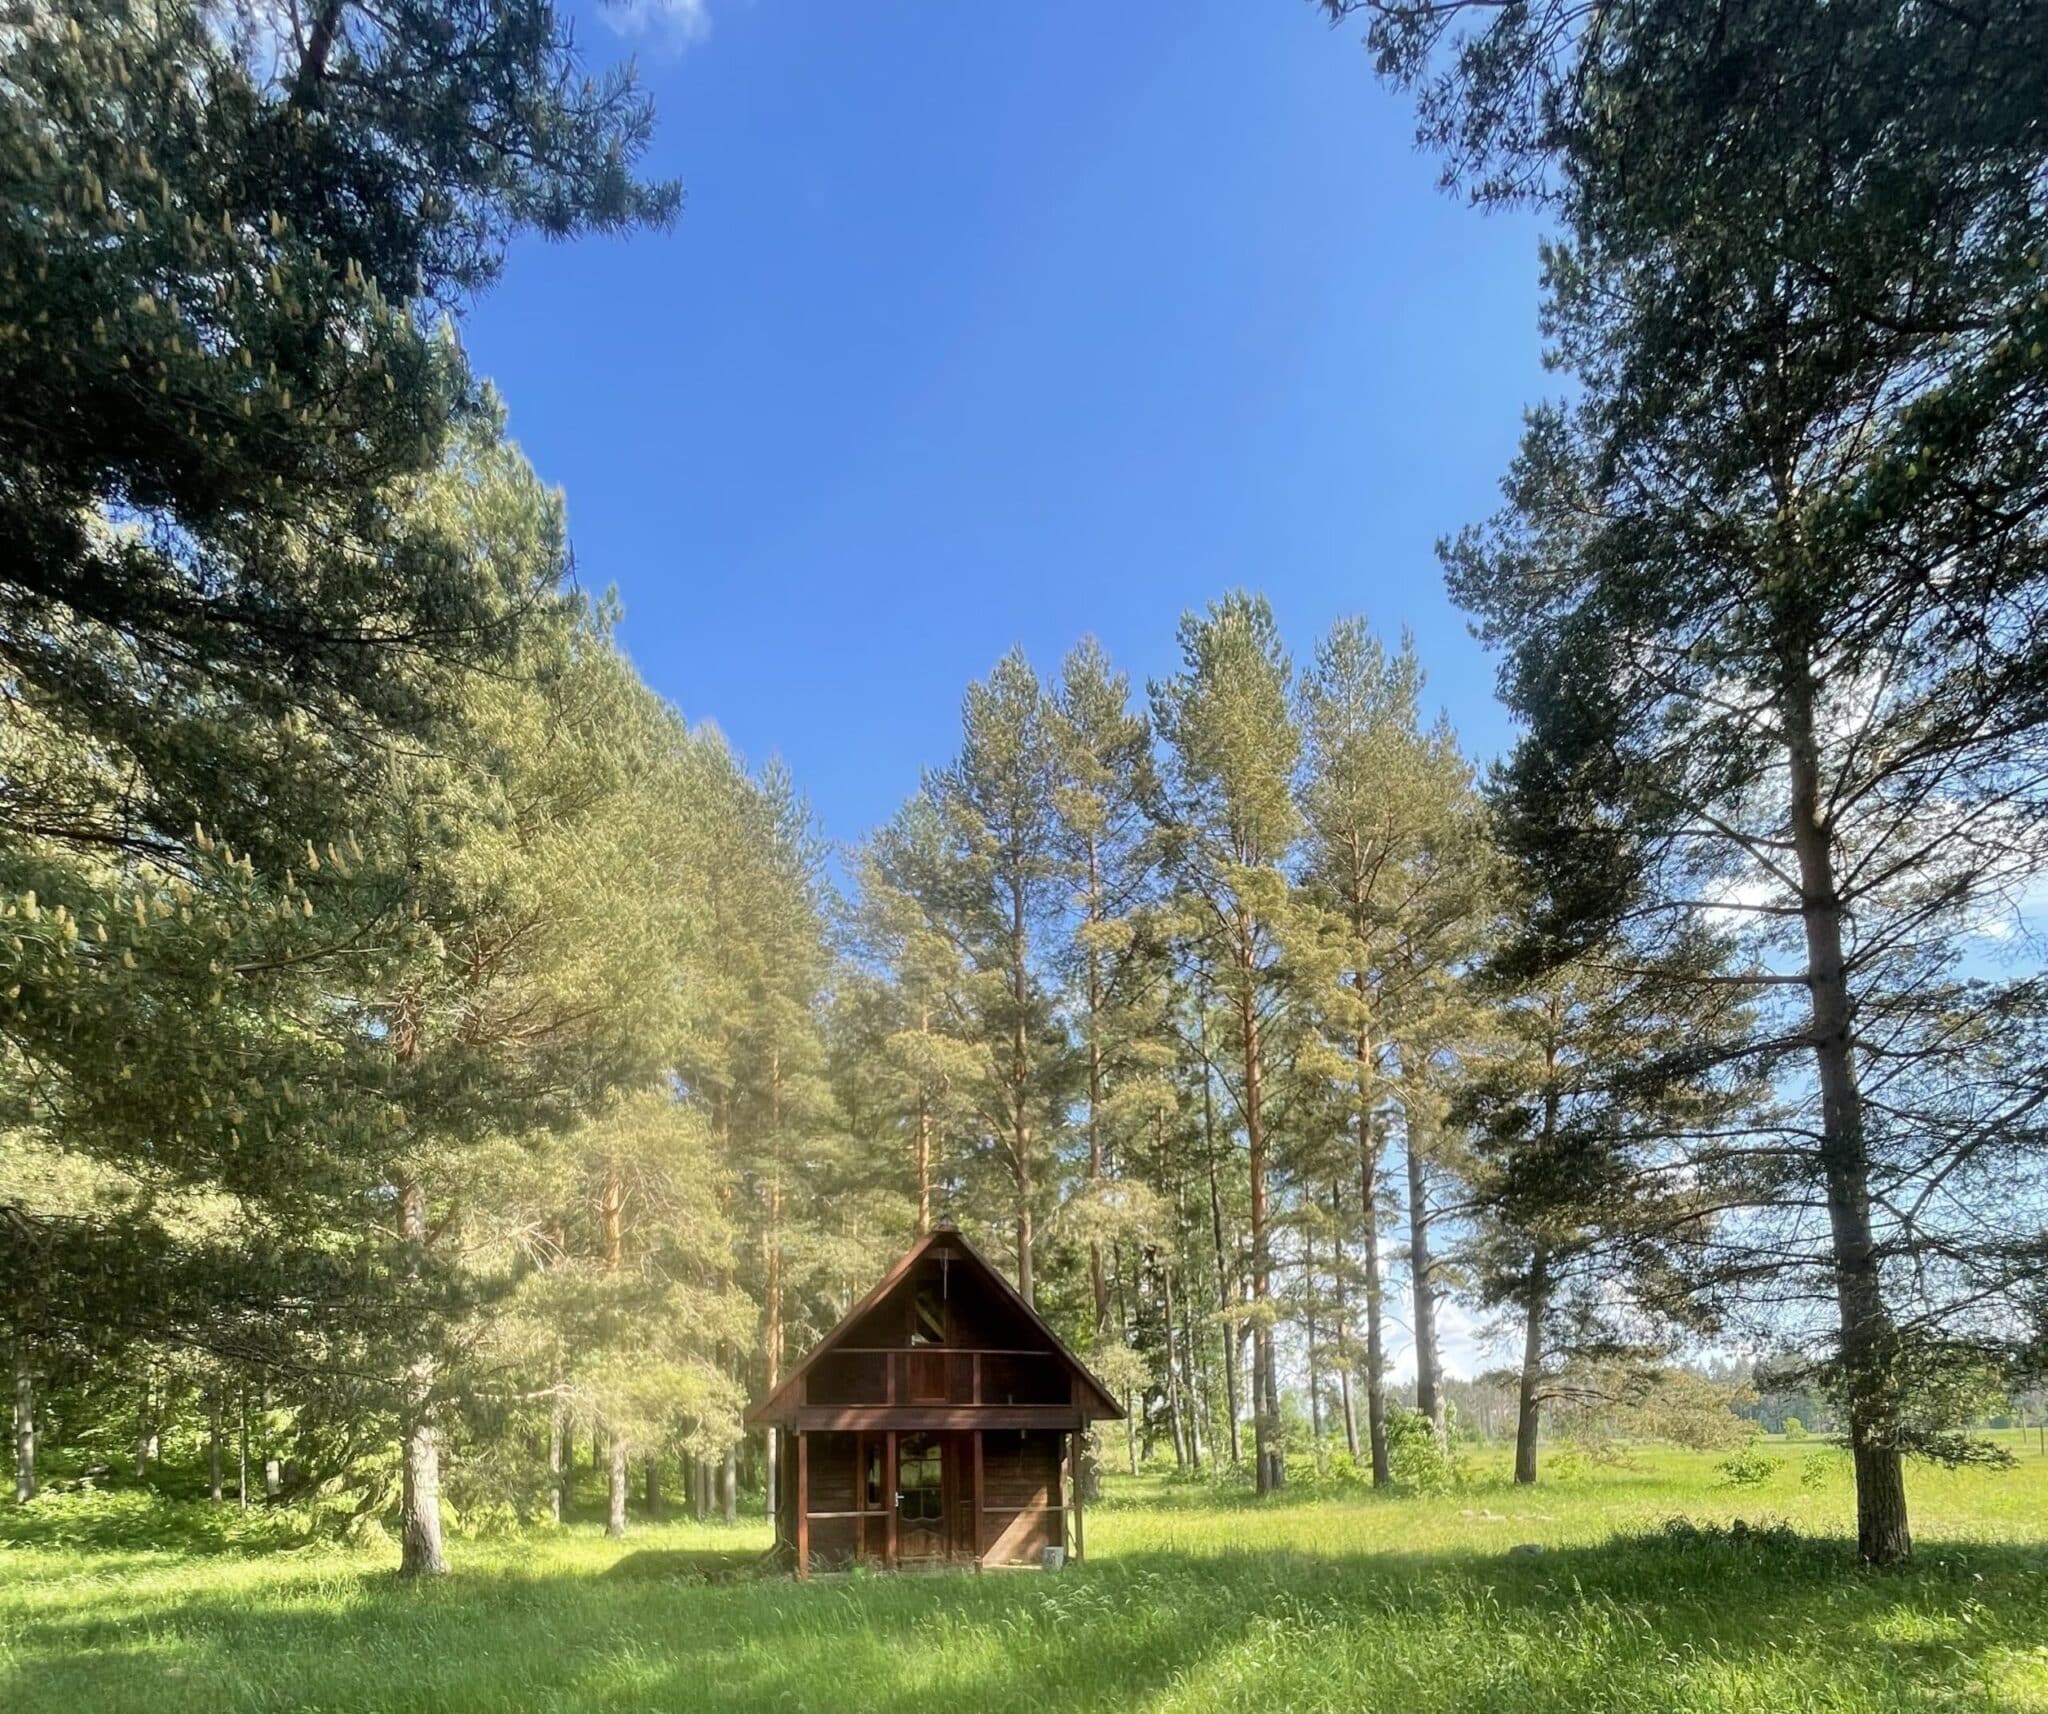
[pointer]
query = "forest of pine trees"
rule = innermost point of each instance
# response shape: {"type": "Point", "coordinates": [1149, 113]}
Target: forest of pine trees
{"type": "Point", "coordinates": [440, 1082]}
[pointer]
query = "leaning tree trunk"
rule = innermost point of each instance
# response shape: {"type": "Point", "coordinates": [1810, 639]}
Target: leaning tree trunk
{"type": "Point", "coordinates": [419, 1516]}
{"type": "Point", "coordinates": [1529, 1397]}
{"type": "Point", "coordinates": [24, 1428]}
{"type": "Point", "coordinates": [1868, 1339]}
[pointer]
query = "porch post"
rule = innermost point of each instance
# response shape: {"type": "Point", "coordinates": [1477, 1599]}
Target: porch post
{"type": "Point", "coordinates": [1079, 1541]}
{"type": "Point", "coordinates": [978, 1549]}
{"type": "Point", "coordinates": [803, 1504]}
{"type": "Point", "coordinates": [889, 1498]}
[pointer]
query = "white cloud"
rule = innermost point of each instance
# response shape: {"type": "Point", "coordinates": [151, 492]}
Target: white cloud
{"type": "Point", "coordinates": [672, 23]}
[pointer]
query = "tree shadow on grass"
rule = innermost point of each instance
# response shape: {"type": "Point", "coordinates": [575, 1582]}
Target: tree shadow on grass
{"type": "Point", "coordinates": [1748, 1620]}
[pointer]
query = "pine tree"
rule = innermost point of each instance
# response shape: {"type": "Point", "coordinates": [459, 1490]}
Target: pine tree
{"type": "Point", "coordinates": [1233, 748]}
{"type": "Point", "coordinates": [1106, 799]}
{"type": "Point", "coordinates": [1769, 591]}
{"type": "Point", "coordinates": [1592, 1227]}
{"type": "Point", "coordinates": [1001, 886]}
{"type": "Point", "coordinates": [1395, 872]}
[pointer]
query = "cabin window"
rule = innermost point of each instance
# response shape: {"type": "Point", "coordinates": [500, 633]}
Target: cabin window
{"type": "Point", "coordinates": [920, 1480]}
{"type": "Point", "coordinates": [928, 1321]}
{"type": "Point", "coordinates": [871, 1479]}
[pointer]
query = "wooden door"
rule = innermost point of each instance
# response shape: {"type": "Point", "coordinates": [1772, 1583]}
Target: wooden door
{"type": "Point", "coordinates": [920, 1496]}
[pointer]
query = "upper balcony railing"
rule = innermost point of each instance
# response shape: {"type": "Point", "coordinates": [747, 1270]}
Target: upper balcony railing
{"type": "Point", "coordinates": [936, 1375]}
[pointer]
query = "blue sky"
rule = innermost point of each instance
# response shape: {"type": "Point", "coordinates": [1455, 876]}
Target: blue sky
{"type": "Point", "coordinates": [995, 325]}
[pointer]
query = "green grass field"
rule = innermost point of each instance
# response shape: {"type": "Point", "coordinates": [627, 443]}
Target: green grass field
{"type": "Point", "coordinates": [1192, 1600]}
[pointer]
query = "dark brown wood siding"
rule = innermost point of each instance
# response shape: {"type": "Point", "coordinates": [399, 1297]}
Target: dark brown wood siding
{"type": "Point", "coordinates": [1020, 1494]}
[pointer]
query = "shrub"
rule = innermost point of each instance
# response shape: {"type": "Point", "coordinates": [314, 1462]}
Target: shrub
{"type": "Point", "coordinates": [1418, 1462]}
{"type": "Point", "coordinates": [1822, 1468]}
{"type": "Point", "coordinates": [1750, 1469]}
{"type": "Point", "coordinates": [1794, 1428]}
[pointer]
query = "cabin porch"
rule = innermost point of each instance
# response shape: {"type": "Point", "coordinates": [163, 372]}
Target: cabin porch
{"type": "Point", "coordinates": [905, 1497]}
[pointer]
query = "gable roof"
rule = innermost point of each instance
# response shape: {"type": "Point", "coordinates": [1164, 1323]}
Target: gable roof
{"type": "Point", "coordinates": [783, 1393]}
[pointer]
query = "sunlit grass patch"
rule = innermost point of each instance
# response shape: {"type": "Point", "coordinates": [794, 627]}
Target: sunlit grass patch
{"type": "Point", "coordinates": [1646, 1587]}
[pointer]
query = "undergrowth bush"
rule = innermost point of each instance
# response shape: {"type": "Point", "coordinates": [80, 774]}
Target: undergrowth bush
{"type": "Point", "coordinates": [134, 1520]}
{"type": "Point", "coordinates": [1750, 1469]}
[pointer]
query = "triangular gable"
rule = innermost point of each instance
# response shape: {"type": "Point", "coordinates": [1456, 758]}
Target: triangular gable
{"type": "Point", "coordinates": [783, 1395]}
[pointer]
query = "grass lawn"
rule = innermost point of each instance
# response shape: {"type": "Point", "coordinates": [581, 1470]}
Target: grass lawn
{"type": "Point", "coordinates": [1191, 1600]}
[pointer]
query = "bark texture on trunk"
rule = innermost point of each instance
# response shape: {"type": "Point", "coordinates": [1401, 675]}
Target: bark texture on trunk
{"type": "Point", "coordinates": [1346, 1359]}
{"type": "Point", "coordinates": [1429, 1398]}
{"type": "Point", "coordinates": [213, 1476]}
{"type": "Point", "coordinates": [1529, 1395]}
{"type": "Point", "coordinates": [1020, 1081]}
{"type": "Point", "coordinates": [1269, 1463]}
{"type": "Point", "coordinates": [1097, 1279]}
{"type": "Point", "coordinates": [615, 1490]}
{"type": "Point", "coordinates": [24, 1428]}
{"type": "Point", "coordinates": [557, 1476]}
{"type": "Point", "coordinates": [1369, 1240]}
{"type": "Point", "coordinates": [1223, 1295]}
{"type": "Point", "coordinates": [419, 1552]}
{"type": "Point", "coordinates": [419, 1517]}
{"type": "Point", "coordinates": [1868, 1337]}
{"type": "Point", "coordinates": [611, 1210]}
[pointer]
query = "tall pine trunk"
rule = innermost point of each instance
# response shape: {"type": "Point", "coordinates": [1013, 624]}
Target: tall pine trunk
{"type": "Point", "coordinates": [1315, 1367]}
{"type": "Point", "coordinates": [1269, 1463]}
{"type": "Point", "coordinates": [611, 1207]}
{"type": "Point", "coordinates": [924, 1140]}
{"type": "Point", "coordinates": [1096, 1278]}
{"type": "Point", "coordinates": [1529, 1400]}
{"type": "Point", "coordinates": [774, 1332]}
{"type": "Point", "coordinates": [1174, 1418]}
{"type": "Point", "coordinates": [24, 1427]}
{"type": "Point", "coordinates": [273, 1471]}
{"type": "Point", "coordinates": [1020, 1080]}
{"type": "Point", "coordinates": [213, 1461]}
{"type": "Point", "coordinates": [1346, 1399]}
{"type": "Point", "coordinates": [615, 1490]}
{"type": "Point", "coordinates": [419, 1518]}
{"type": "Point", "coordinates": [558, 1479]}
{"type": "Point", "coordinates": [1223, 1292]}
{"type": "Point", "coordinates": [729, 1485]}
{"type": "Point", "coordinates": [1867, 1335]}
{"type": "Point", "coordinates": [1429, 1399]}
{"type": "Point", "coordinates": [1369, 1239]}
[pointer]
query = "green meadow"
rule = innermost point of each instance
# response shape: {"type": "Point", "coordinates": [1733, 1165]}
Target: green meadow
{"type": "Point", "coordinates": [1652, 1584]}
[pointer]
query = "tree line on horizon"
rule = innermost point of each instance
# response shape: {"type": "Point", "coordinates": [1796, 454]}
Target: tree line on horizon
{"type": "Point", "coordinates": [422, 1051]}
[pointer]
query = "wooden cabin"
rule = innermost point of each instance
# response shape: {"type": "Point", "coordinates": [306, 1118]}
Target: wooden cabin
{"type": "Point", "coordinates": [939, 1423]}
